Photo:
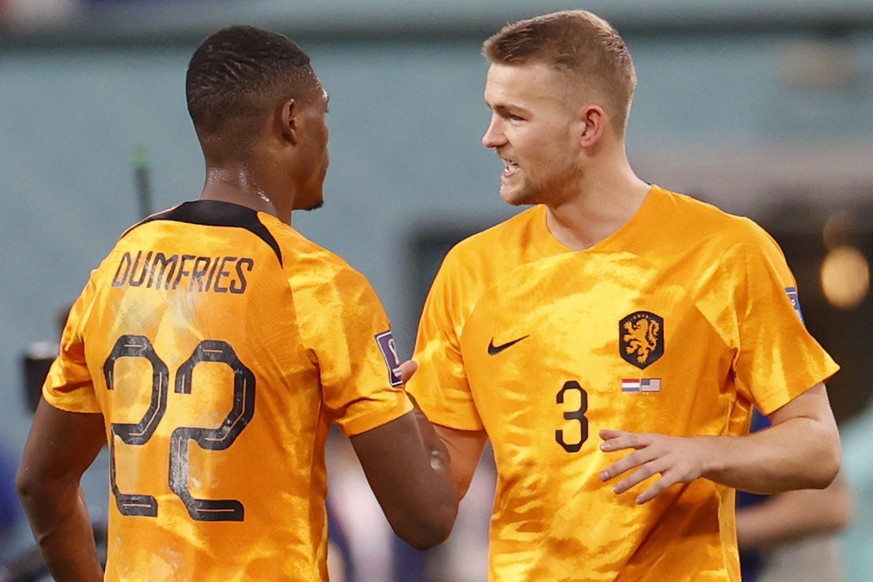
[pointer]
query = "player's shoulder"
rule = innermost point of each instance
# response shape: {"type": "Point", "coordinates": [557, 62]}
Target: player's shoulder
{"type": "Point", "coordinates": [307, 264]}
{"type": "Point", "coordinates": [694, 217]}
{"type": "Point", "coordinates": [512, 226]}
{"type": "Point", "coordinates": [491, 243]}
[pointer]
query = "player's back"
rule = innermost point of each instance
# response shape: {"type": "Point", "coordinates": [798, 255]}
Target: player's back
{"type": "Point", "coordinates": [212, 401]}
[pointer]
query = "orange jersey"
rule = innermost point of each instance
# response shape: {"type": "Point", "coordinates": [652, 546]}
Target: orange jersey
{"type": "Point", "coordinates": [677, 324]}
{"type": "Point", "coordinates": [219, 345]}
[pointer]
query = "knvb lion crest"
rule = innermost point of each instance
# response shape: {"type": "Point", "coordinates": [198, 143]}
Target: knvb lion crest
{"type": "Point", "coordinates": [641, 338]}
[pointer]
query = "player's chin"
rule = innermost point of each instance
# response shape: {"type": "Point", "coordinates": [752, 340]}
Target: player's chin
{"type": "Point", "coordinates": [312, 203]}
{"type": "Point", "coordinates": [515, 197]}
{"type": "Point", "coordinates": [315, 206]}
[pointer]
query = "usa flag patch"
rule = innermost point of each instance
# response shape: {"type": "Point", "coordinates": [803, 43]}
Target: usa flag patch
{"type": "Point", "coordinates": [650, 385]}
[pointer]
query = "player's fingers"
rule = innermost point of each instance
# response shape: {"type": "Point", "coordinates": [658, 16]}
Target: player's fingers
{"type": "Point", "coordinates": [661, 485]}
{"type": "Point", "coordinates": [609, 434]}
{"type": "Point", "coordinates": [407, 369]}
{"type": "Point", "coordinates": [644, 471]}
{"type": "Point", "coordinates": [626, 463]}
{"type": "Point", "coordinates": [618, 440]}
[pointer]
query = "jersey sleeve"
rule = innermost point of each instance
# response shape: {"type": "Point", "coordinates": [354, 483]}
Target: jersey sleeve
{"type": "Point", "coordinates": [68, 385]}
{"type": "Point", "coordinates": [778, 359]}
{"type": "Point", "coordinates": [440, 385]}
{"type": "Point", "coordinates": [345, 326]}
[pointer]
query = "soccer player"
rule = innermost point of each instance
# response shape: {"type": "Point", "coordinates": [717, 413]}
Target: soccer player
{"type": "Point", "coordinates": [213, 348]}
{"type": "Point", "coordinates": [611, 340]}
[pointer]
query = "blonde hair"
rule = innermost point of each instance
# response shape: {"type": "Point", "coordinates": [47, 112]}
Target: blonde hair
{"type": "Point", "coordinates": [577, 43]}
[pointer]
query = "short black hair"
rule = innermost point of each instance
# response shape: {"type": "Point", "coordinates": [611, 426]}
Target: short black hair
{"type": "Point", "coordinates": [238, 73]}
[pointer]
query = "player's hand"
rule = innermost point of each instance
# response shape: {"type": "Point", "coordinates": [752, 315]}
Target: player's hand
{"type": "Point", "coordinates": [407, 369]}
{"type": "Point", "coordinates": [676, 459]}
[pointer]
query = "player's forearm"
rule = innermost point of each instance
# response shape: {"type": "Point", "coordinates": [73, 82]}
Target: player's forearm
{"type": "Point", "coordinates": [408, 471]}
{"type": "Point", "coordinates": [62, 528]}
{"type": "Point", "coordinates": [465, 449]}
{"type": "Point", "coordinates": [443, 493]}
{"type": "Point", "coordinates": [800, 453]}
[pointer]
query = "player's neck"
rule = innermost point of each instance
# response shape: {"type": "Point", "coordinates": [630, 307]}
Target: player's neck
{"type": "Point", "coordinates": [597, 211]}
{"type": "Point", "coordinates": [238, 187]}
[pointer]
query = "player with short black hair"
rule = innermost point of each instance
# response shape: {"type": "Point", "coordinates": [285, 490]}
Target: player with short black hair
{"type": "Point", "coordinates": [213, 348]}
{"type": "Point", "coordinates": [236, 75]}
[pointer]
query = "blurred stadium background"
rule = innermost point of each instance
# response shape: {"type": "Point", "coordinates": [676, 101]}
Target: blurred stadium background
{"type": "Point", "coordinates": [764, 107]}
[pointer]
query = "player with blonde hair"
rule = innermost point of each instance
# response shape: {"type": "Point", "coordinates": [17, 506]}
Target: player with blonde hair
{"type": "Point", "coordinates": [611, 341]}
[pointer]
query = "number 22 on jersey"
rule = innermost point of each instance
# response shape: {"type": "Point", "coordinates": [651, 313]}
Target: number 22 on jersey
{"type": "Point", "coordinates": [213, 439]}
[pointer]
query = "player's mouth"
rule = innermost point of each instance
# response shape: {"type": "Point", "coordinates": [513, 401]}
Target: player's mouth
{"type": "Point", "coordinates": [509, 169]}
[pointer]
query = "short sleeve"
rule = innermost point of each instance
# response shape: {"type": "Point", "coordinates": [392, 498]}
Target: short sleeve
{"type": "Point", "coordinates": [778, 358]}
{"type": "Point", "coordinates": [440, 385]}
{"type": "Point", "coordinates": [344, 325]}
{"type": "Point", "coordinates": [69, 385]}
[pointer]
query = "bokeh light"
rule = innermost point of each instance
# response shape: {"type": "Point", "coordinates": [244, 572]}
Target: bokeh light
{"type": "Point", "coordinates": [845, 277]}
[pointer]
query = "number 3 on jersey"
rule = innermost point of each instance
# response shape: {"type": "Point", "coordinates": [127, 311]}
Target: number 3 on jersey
{"type": "Point", "coordinates": [214, 439]}
{"type": "Point", "coordinates": [575, 415]}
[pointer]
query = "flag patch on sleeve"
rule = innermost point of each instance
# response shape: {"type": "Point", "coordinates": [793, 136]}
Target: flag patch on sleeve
{"type": "Point", "coordinates": [795, 301]}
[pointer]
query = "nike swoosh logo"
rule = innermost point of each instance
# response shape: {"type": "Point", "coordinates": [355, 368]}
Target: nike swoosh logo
{"type": "Point", "coordinates": [494, 350]}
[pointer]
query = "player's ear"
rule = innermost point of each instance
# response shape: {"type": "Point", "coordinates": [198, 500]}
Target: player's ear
{"type": "Point", "coordinates": [286, 117]}
{"type": "Point", "coordinates": [593, 122]}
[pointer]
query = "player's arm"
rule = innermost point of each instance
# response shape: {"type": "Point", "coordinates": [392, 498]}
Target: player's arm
{"type": "Point", "coordinates": [465, 449]}
{"type": "Point", "coordinates": [60, 447]}
{"type": "Point", "coordinates": [407, 467]}
{"type": "Point", "coordinates": [795, 515]}
{"type": "Point", "coordinates": [464, 446]}
{"type": "Point", "coordinates": [800, 451]}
